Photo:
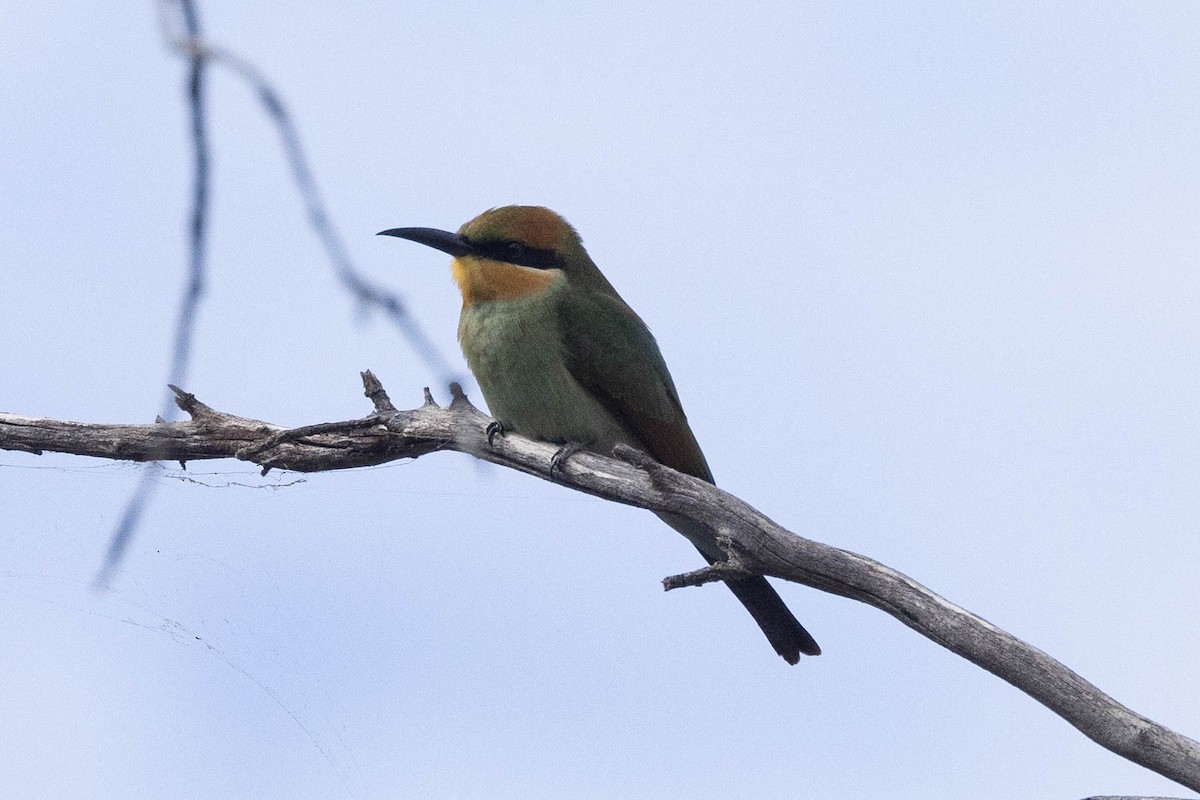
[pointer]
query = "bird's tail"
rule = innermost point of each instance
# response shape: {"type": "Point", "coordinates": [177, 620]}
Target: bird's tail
{"type": "Point", "coordinates": [783, 630]}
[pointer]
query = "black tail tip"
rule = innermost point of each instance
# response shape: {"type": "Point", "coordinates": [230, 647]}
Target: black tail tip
{"type": "Point", "coordinates": [792, 654]}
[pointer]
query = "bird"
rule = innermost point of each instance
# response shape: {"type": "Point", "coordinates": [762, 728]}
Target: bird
{"type": "Point", "coordinates": [562, 358]}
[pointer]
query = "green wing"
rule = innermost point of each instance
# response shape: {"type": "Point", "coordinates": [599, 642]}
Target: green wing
{"type": "Point", "coordinates": [618, 362]}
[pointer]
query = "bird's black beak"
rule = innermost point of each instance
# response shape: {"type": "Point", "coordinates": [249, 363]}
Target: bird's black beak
{"type": "Point", "coordinates": [445, 241]}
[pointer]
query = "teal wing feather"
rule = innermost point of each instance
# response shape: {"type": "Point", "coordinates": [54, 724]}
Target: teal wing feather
{"type": "Point", "coordinates": [619, 363]}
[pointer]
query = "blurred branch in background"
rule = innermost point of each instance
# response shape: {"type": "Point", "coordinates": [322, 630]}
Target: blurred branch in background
{"type": "Point", "coordinates": [182, 38]}
{"type": "Point", "coordinates": [185, 324]}
{"type": "Point", "coordinates": [181, 31]}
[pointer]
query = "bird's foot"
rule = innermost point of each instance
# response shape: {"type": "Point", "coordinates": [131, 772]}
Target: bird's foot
{"type": "Point", "coordinates": [495, 428]}
{"type": "Point", "coordinates": [559, 460]}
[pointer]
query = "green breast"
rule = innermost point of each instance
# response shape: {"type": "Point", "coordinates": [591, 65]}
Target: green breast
{"type": "Point", "coordinates": [514, 350]}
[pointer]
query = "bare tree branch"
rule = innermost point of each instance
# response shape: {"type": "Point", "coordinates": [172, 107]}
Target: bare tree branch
{"type": "Point", "coordinates": [754, 543]}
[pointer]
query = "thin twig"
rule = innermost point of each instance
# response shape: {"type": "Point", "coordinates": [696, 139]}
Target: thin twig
{"type": "Point", "coordinates": [185, 323]}
{"type": "Point", "coordinates": [367, 293]}
{"type": "Point", "coordinates": [181, 29]}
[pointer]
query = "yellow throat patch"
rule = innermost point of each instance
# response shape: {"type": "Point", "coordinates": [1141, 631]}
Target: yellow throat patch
{"type": "Point", "coordinates": [482, 279]}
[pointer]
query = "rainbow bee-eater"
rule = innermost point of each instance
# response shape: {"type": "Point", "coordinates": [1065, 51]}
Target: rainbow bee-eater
{"type": "Point", "coordinates": [562, 358]}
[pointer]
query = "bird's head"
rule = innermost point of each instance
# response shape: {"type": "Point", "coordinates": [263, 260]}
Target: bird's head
{"type": "Point", "coordinates": [536, 241]}
{"type": "Point", "coordinates": [530, 236]}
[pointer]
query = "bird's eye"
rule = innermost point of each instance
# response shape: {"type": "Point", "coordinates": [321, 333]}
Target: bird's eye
{"type": "Point", "coordinates": [515, 249]}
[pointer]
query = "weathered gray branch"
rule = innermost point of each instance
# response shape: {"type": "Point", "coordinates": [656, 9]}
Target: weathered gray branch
{"type": "Point", "coordinates": [755, 544]}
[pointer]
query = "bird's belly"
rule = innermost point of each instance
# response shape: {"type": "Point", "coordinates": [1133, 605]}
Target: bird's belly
{"type": "Point", "coordinates": [513, 349]}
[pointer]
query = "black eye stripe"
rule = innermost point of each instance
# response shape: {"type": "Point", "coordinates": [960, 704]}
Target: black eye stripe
{"type": "Point", "coordinates": [513, 252]}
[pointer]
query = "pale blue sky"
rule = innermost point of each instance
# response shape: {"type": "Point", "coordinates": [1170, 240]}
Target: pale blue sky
{"type": "Point", "coordinates": [926, 277]}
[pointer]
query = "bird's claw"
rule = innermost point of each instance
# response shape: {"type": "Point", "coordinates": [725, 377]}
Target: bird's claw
{"type": "Point", "coordinates": [559, 460]}
{"type": "Point", "coordinates": [494, 429]}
